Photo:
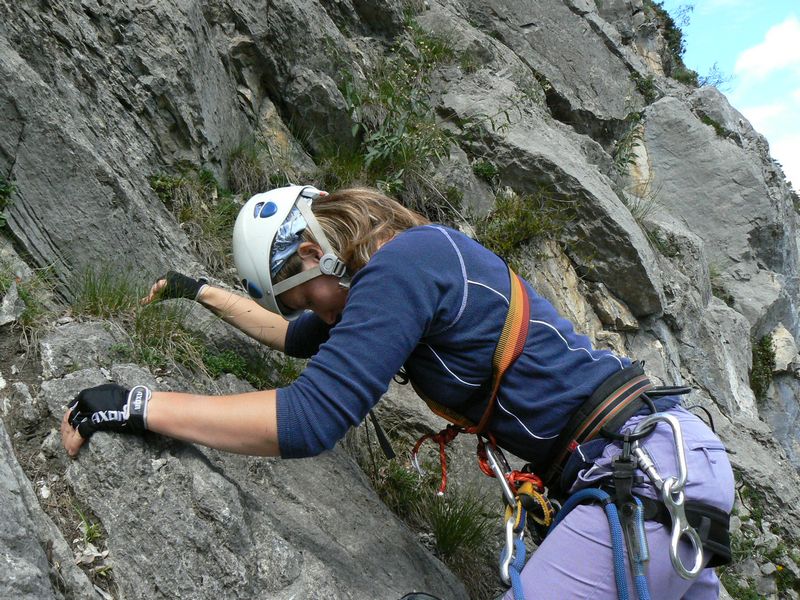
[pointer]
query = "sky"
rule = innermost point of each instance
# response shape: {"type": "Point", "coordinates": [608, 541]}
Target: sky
{"type": "Point", "coordinates": [756, 44]}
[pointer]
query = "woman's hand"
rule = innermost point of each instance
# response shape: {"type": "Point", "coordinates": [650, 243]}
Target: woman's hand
{"type": "Point", "coordinates": [174, 285]}
{"type": "Point", "coordinates": [107, 407]}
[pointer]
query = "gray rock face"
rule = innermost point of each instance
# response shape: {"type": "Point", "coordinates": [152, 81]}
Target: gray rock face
{"type": "Point", "coordinates": [38, 564]}
{"type": "Point", "coordinates": [245, 527]}
{"type": "Point", "coordinates": [721, 194]}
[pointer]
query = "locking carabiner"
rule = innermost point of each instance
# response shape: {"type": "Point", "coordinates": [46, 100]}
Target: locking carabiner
{"type": "Point", "coordinates": [672, 494]}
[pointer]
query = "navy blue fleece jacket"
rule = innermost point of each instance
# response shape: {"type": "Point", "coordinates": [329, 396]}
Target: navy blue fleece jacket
{"type": "Point", "coordinates": [434, 301]}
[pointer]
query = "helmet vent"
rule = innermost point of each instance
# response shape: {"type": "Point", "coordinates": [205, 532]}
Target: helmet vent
{"type": "Point", "coordinates": [269, 209]}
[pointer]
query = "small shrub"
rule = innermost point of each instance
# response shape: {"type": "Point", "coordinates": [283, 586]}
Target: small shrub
{"type": "Point", "coordinates": [6, 190]}
{"type": "Point", "coordinates": [205, 211]}
{"type": "Point", "coordinates": [646, 87]}
{"type": "Point", "coordinates": [624, 151]}
{"type": "Point", "coordinates": [486, 170]}
{"type": "Point", "coordinates": [686, 76]}
{"type": "Point", "coordinates": [398, 131]}
{"type": "Point", "coordinates": [676, 44]}
{"type": "Point", "coordinates": [763, 366]}
{"type": "Point", "coordinates": [719, 129]}
{"type": "Point", "coordinates": [518, 219]}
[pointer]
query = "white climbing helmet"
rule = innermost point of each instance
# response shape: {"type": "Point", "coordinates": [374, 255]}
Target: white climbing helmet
{"type": "Point", "coordinates": [268, 231]}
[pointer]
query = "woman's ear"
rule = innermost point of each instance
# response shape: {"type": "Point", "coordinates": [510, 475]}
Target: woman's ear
{"type": "Point", "coordinates": [309, 250]}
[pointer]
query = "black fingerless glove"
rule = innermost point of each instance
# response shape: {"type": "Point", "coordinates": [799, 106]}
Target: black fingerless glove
{"type": "Point", "coordinates": [181, 286]}
{"type": "Point", "coordinates": [110, 407]}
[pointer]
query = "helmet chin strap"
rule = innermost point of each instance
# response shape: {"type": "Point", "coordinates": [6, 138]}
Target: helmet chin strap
{"type": "Point", "coordinates": [329, 263]}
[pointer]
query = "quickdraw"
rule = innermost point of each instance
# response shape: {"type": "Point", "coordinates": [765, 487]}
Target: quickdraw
{"type": "Point", "coordinates": [521, 491]}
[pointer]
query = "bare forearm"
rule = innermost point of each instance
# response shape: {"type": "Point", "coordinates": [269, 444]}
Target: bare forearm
{"type": "Point", "coordinates": [241, 423]}
{"type": "Point", "coordinates": [246, 315]}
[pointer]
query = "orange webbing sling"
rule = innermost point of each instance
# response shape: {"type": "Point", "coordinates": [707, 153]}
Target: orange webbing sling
{"type": "Point", "coordinates": [509, 348]}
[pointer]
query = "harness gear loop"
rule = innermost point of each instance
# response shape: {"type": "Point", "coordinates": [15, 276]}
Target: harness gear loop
{"type": "Point", "coordinates": [442, 438]}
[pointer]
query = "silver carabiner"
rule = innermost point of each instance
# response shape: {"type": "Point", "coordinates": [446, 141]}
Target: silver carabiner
{"type": "Point", "coordinates": [681, 528]}
{"type": "Point", "coordinates": [508, 552]}
{"type": "Point", "coordinates": [500, 474]}
{"type": "Point", "coordinates": [680, 453]}
{"type": "Point", "coordinates": [672, 494]}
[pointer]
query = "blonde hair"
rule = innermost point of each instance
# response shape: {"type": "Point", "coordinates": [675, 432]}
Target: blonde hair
{"type": "Point", "coordinates": [356, 222]}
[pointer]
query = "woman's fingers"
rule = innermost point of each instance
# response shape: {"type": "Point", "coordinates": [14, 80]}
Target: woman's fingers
{"type": "Point", "coordinates": [70, 438]}
{"type": "Point", "coordinates": [157, 287]}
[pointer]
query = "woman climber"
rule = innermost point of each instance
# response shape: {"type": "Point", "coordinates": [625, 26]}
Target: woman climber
{"type": "Point", "coordinates": [366, 288]}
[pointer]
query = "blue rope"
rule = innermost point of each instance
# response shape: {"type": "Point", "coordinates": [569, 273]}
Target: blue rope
{"type": "Point", "coordinates": [515, 568]}
{"type": "Point", "coordinates": [617, 541]}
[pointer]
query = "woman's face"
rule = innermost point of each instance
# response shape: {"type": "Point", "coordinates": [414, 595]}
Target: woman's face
{"type": "Point", "coordinates": [322, 295]}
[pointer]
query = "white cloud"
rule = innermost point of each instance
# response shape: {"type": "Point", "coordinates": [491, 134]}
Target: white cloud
{"type": "Point", "coordinates": [779, 50]}
{"type": "Point", "coordinates": [763, 117]}
{"type": "Point", "coordinates": [778, 122]}
{"type": "Point", "coordinates": [786, 150]}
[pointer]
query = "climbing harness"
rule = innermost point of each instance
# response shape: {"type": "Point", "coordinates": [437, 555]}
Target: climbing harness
{"type": "Point", "coordinates": [620, 397]}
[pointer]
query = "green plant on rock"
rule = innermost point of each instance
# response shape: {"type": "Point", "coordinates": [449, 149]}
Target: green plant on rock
{"type": "Point", "coordinates": [517, 219]}
{"type": "Point", "coordinates": [105, 292]}
{"type": "Point", "coordinates": [6, 190]}
{"type": "Point", "coordinates": [205, 211]}
{"type": "Point", "coordinates": [247, 174]}
{"type": "Point", "coordinates": [459, 521]}
{"type": "Point", "coordinates": [36, 293]}
{"type": "Point", "coordinates": [260, 373]}
{"type": "Point", "coordinates": [718, 288]}
{"type": "Point", "coordinates": [157, 336]}
{"type": "Point", "coordinates": [676, 44]}
{"type": "Point", "coordinates": [763, 366]}
{"type": "Point", "coordinates": [718, 129]}
{"type": "Point", "coordinates": [91, 530]}
{"type": "Point", "coordinates": [486, 170]}
{"type": "Point", "coordinates": [646, 86]}
{"type": "Point", "coordinates": [739, 589]}
{"type": "Point", "coordinates": [398, 131]}
{"type": "Point", "coordinates": [625, 148]}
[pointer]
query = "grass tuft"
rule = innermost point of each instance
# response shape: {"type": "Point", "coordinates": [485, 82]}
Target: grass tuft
{"type": "Point", "coordinates": [158, 338]}
{"type": "Point", "coordinates": [763, 366]}
{"type": "Point", "coordinates": [205, 211]}
{"type": "Point", "coordinates": [518, 219]}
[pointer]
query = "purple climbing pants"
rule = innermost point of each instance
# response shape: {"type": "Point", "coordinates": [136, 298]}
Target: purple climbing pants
{"type": "Point", "coordinates": [575, 561]}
